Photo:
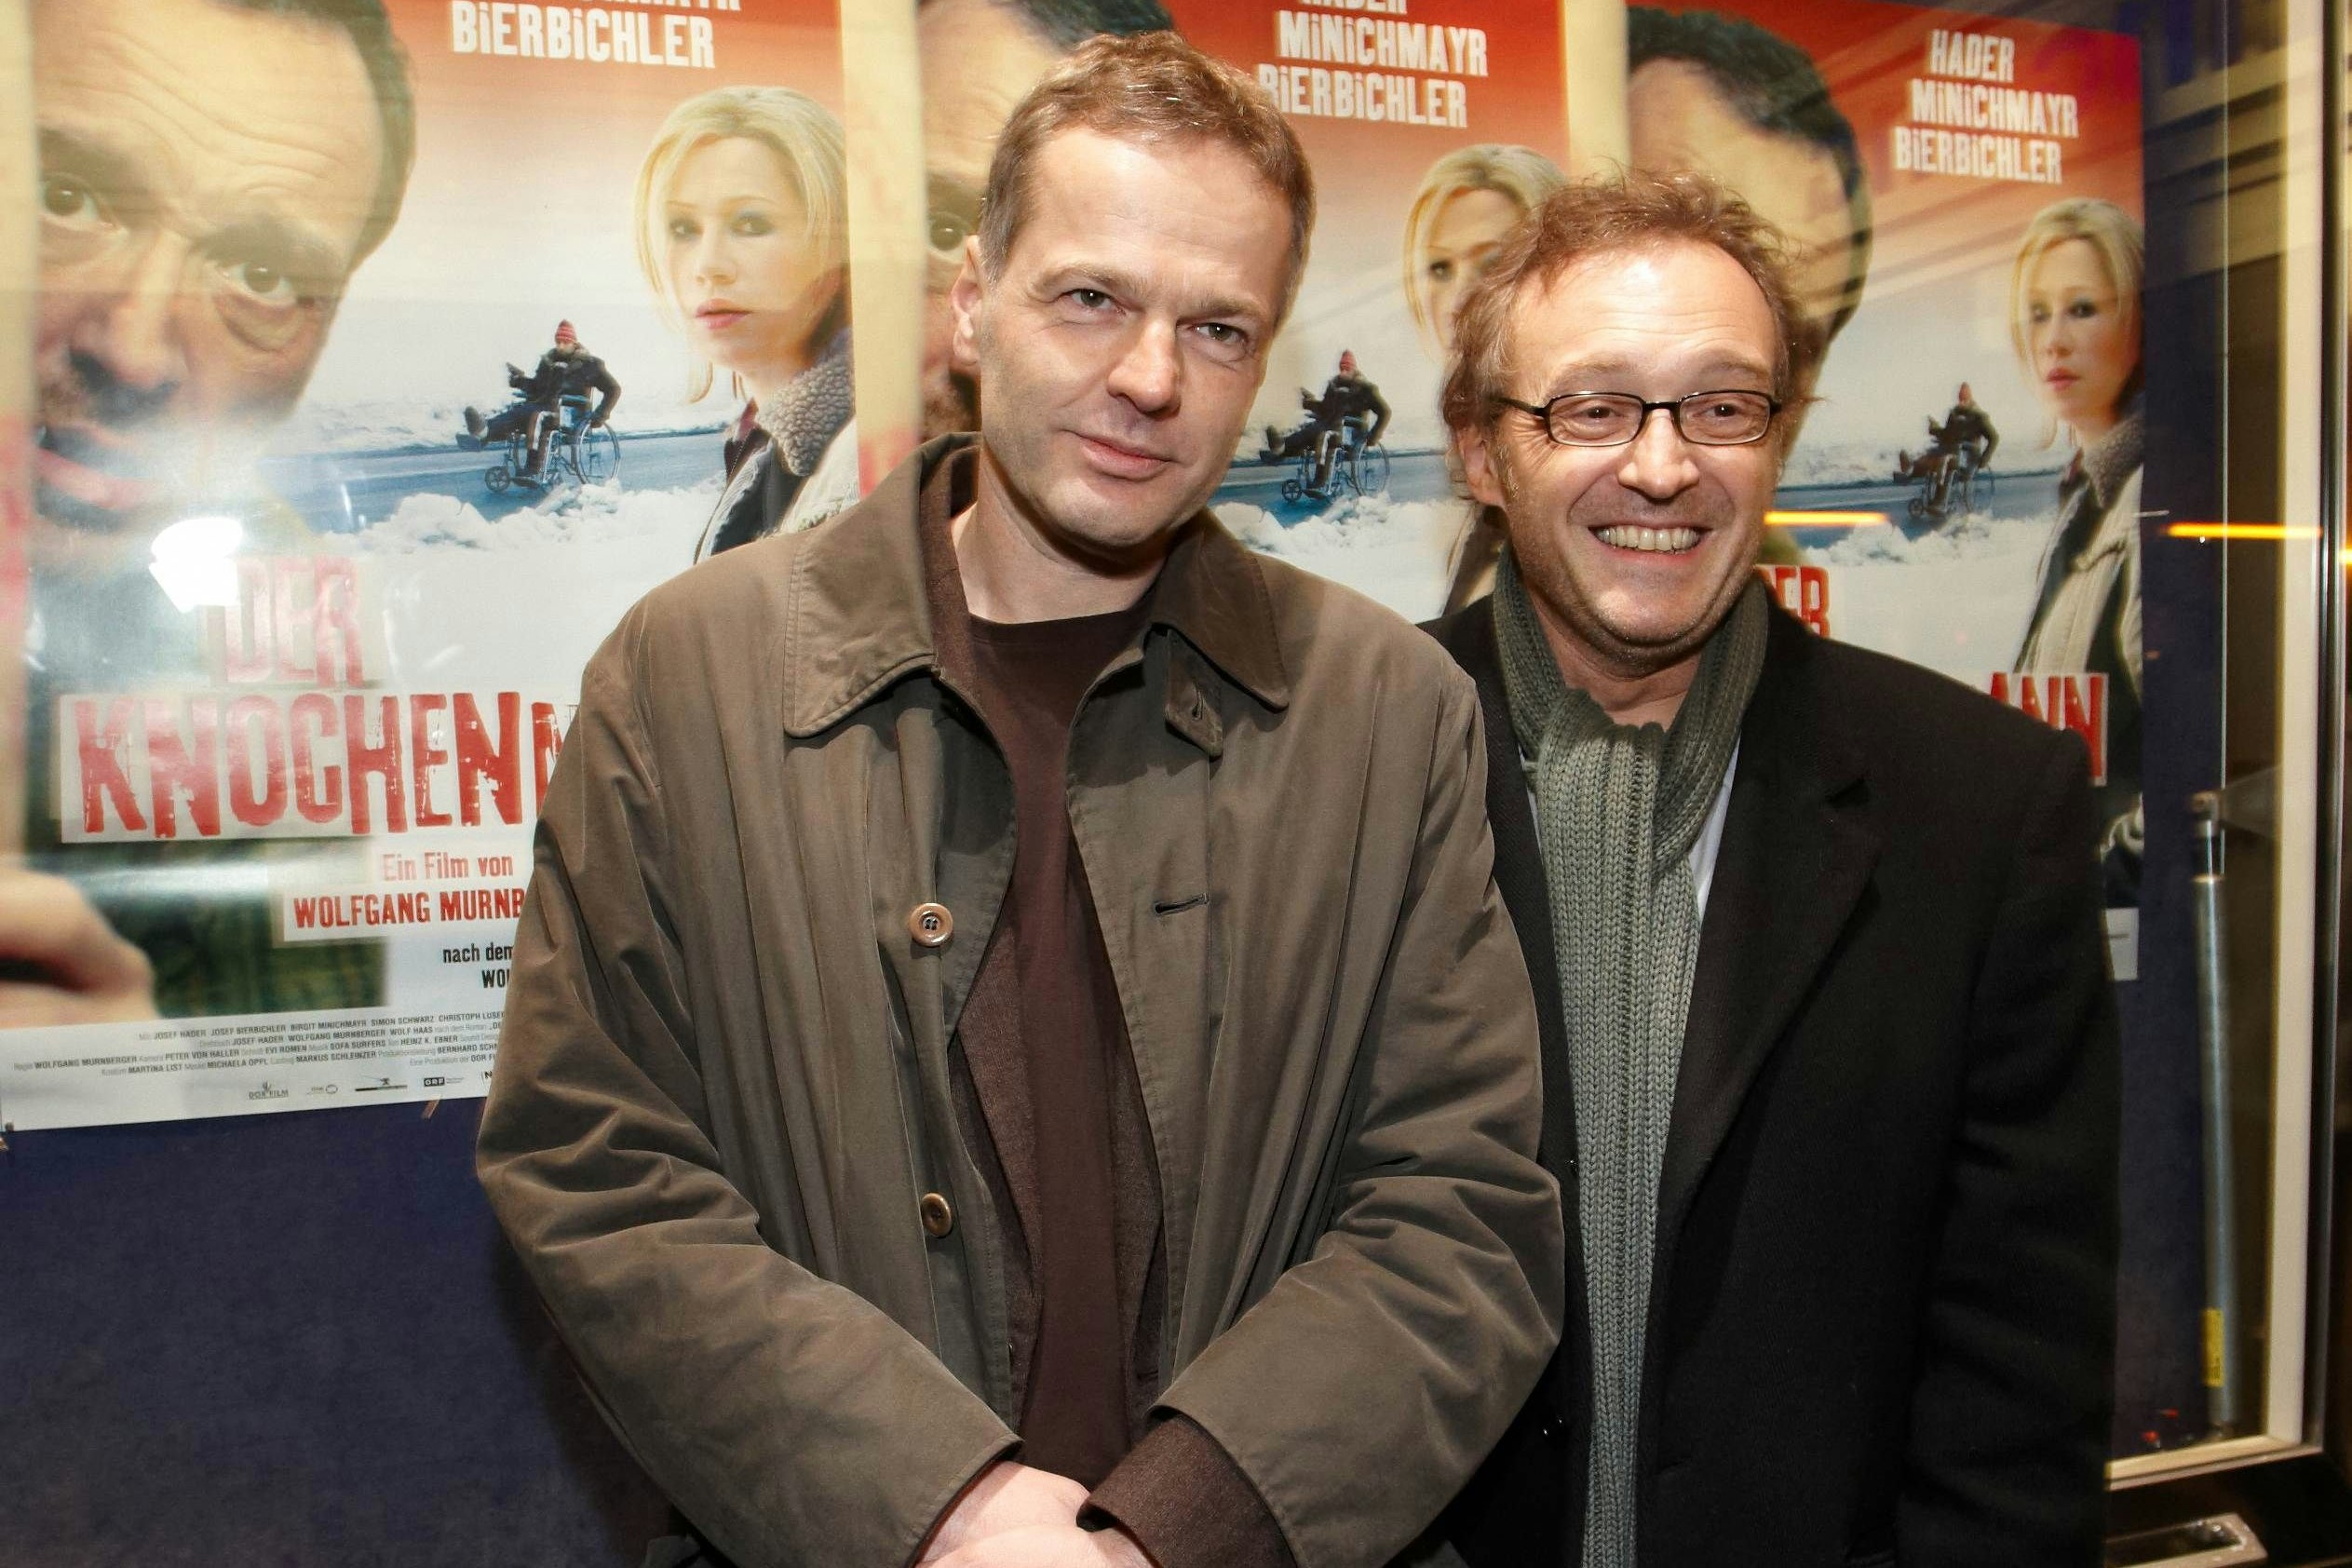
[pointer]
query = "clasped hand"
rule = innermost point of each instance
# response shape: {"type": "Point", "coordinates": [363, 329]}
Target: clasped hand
{"type": "Point", "coordinates": [1015, 1517]}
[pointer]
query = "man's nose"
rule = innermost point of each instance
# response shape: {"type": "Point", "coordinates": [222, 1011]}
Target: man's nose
{"type": "Point", "coordinates": [135, 334]}
{"type": "Point", "coordinates": [1657, 462]}
{"type": "Point", "coordinates": [1150, 372]}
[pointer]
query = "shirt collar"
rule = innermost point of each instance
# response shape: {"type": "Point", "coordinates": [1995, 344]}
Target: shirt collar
{"type": "Point", "coordinates": [874, 595]}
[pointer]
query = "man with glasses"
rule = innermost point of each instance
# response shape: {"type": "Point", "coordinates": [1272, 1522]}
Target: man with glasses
{"type": "Point", "coordinates": [1829, 1054]}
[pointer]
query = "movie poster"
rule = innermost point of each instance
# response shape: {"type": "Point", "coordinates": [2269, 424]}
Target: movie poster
{"type": "Point", "coordinates": [1432, 130]}
{"type": "Point", "coordinates": [1964, 199]}
{"type": "Point", "coordinates": [383, 361]}
{"type": "Point", "coordinates": [1969, 477]}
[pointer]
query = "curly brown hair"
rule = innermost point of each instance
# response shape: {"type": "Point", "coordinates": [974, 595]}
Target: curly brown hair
{"type": "Point", "coordinates": [1609, 215]}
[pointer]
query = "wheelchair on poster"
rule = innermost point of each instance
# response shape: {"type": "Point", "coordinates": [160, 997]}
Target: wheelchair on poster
{"type": "Point", "coordinates": [1951, 484]}
{"type": "Point", "coordinates": [1355, 466]}
{"type": "Point", "coordinates": [591, 453]}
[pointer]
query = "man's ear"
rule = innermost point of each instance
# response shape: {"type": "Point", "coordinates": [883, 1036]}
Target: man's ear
{"type": "Point", "coordinates": [965, 297]}
{"type": "Point", "coordinates": [1482, 465]}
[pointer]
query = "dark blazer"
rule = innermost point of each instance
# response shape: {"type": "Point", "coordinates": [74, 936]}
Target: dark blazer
{"type": "Point", "coordinates": [1882, 1310]}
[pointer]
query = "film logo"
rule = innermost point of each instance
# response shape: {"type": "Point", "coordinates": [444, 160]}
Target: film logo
{"type": "Point", "coordinates": [1803, 591]}
{"type": "Point", "coordinates": [2075, 702]}
{"type": "Point", "coordinates": [295, 738]}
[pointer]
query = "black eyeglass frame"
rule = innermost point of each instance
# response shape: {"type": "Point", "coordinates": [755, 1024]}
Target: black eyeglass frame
{"type": "Point", "coordinates": [1673, 408]}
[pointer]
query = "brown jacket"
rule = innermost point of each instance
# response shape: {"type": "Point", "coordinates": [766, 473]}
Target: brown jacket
{"type": "Point", "coordinates": [722, 1106]}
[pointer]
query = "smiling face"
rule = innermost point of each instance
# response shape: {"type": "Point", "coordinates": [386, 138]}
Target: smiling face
{"type": "Point", "coordinates": [1119, 350]}
{"type": "Point", "coordinates": [978, 61]}
{"type": "Point", "coordinates": [2082, 352]}
{"type": "Point", "coordinates": [1632, 554]}
{"type": "Point", "coordinates": [205, 175]}
{"type": "Point", "coordinates": [746, 274]}
{"type": "Point", "coordinates": [1467, 227]}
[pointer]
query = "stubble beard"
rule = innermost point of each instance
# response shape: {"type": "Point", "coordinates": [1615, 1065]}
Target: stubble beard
{"type": "Point", "coordinates": [951, 404]}
{"type": "Point", "coordinates": [69, 536]}
{"type": "Point", "coordinates": [1567, 610]}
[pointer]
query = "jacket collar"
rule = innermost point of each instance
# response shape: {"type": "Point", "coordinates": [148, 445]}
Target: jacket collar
{"type": "Point", "coordinates": [1799, 843]}
{"type": "Point", "coordinates": [865, 590]}
{"type": "Point", "coordinates": [1797, 846]}
{"type": "Point", "coordinates": [1468, 634]}
{"type": "Point", "coordinates": [2111, 459]}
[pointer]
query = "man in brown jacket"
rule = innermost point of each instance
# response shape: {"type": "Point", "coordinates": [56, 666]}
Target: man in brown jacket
{"type": "Point", "coordinates": [1015, 1058]}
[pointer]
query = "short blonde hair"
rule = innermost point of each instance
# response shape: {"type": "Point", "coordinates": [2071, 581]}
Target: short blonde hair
{"type": "Point", "coordinates": [1521, 173]}
{"type": "Point", "coordinates": [1148, 89]}
{"type": "Point", "coordinates": [2114, 235]}
{"type": "Point", "coordinates": [803, 133]}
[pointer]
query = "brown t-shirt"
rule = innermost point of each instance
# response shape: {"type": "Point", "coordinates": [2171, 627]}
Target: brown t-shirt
{"type": "Point", "coordinates": [1028, 679]}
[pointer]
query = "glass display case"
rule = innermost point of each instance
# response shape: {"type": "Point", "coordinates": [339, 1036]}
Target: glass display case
{"type": "Point", "coordinates": [2245, 158]}
{"type": "Point", "coordinates": [296, 579]}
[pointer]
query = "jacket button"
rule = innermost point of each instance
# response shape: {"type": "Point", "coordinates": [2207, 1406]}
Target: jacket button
{"type": "Point", "coordinates": [938, 1218]}
{"type": "Point", "coordinates": [931, 924]}
{"type": "Point", "coordinates": [1553, 1430]}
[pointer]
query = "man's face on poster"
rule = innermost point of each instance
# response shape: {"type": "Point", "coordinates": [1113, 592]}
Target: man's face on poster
{"type": "Point", "coordinates": [207, 172]}
{"type": "Point", "coordinates": [978, 61]}
{"type": "Point", "coordinates": [1678, 120]}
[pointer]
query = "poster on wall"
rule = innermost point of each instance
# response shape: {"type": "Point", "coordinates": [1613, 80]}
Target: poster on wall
{"type": "Point", "coordinates": [384, 355]}
{"type": "Point", "coordinates": [1431, 132]}
{"type": "Point", "coordinates": [1968, 481]}
{"type": "Point", "coordinates": [1429, 135]}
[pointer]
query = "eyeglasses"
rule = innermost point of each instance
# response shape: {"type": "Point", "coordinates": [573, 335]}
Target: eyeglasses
{"type": "Point", "coordinates": [1731, 418]}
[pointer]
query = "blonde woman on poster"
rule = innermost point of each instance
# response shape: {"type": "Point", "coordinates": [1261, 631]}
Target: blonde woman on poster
{"type": "Point", "coordinates": [1468, 200]}
{"type": "Point", "coordinates": [741, 233]}
{"type": "Point", "coordinates": [2074, 320]}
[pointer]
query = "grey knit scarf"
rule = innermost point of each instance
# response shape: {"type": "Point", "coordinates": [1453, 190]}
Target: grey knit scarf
{"type": "Point", "coordinates": [1617, 810]}
{"type": "Point", "coordinates": [808, 412]}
